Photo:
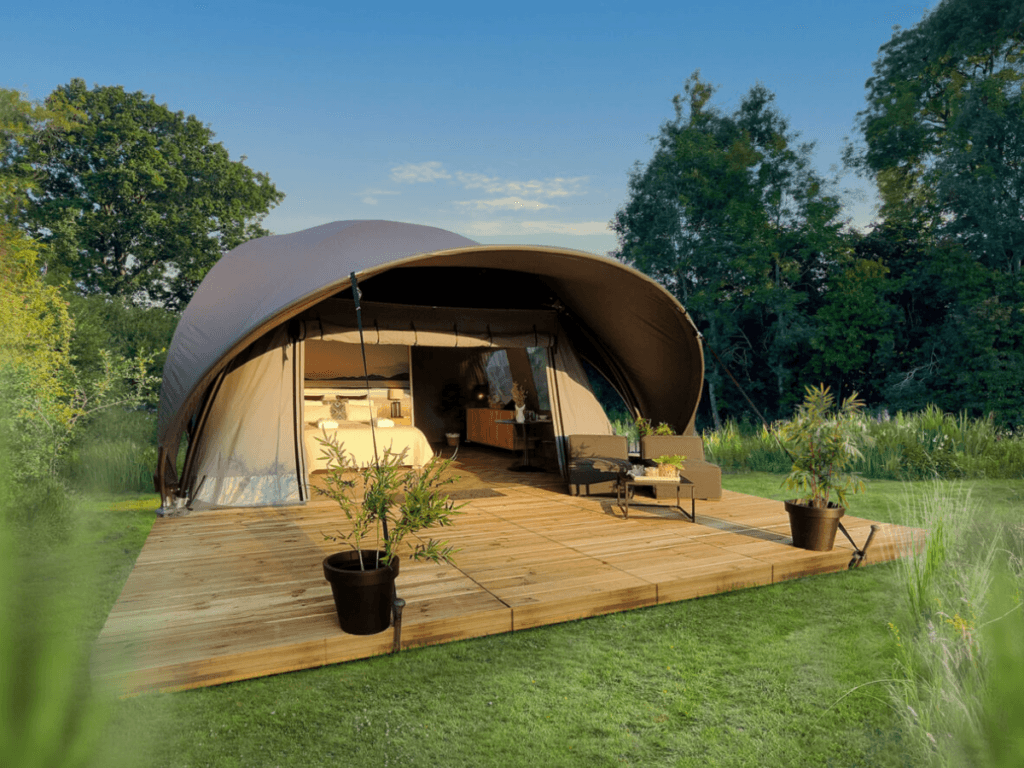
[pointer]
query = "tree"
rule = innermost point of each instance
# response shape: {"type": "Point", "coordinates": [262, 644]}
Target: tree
{"type": "Point", "coordinates": [20, 120]}
{"type": "Point", "coordinates": [135, 200]}
{"type": "Point", "coordinates": [944, 139]}
{"type": "Point", "coordinates": [853, 334]}
{"type": "Point", "coordinates": [944, 127]}
{"type": "Point", "coordinates": [730, 217]}
{"type": "Point", "coordinates": [47, 396]}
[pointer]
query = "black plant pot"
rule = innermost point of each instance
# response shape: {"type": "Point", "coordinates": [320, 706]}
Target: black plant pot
{"type": "Point", "coordinates": [813, 528]}
{"type": "Point", "coordinates": [363, 598]}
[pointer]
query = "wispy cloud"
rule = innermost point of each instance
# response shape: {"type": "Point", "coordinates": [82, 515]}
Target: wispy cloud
{"type": "Point", "coordinates": [433, 170]}
{"type": "Point", "coordinates": [414, 173]}
{"type": "Point", "coordinates": [567, 227]}
{"type": "Point", "coordinates": [496, 228]}
{"type": "Point", "coordinates": [370, 195]}
{"type": "Point", "coordinates": [503, 204]}
{"type": "Point", "coordinates": [557, 187]}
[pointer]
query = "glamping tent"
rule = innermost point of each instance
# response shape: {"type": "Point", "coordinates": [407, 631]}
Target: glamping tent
{"type": "Point", "coordinates": [268, 351]}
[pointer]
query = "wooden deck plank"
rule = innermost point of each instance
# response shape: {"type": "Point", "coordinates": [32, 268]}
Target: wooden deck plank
{"type": "Point", "coordinates": [232, 594]}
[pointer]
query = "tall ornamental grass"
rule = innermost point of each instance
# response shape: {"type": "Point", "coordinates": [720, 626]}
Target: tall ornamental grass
{"type": "Point", "coordinates": [114, 466]}
{"type": "Point", "coordinates": [959, 640]}
{"type": "Point", "coordinates": [919, 446]}
{"type": "Point", "coordinates": [116, 454]}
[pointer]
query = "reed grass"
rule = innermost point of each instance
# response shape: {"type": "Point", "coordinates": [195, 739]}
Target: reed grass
{"type": "Point", "coordinates": [116, 466]}
{"type": "Point", "coordinates": [957, 672]}
{"type": "Point", "coordinates": [117, 454]}
{"type": "Point", "coordinates": [918, 446]}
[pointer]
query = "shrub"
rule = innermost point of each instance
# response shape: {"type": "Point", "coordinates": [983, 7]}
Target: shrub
{"type": "Point", "coordinates": [917, 446]}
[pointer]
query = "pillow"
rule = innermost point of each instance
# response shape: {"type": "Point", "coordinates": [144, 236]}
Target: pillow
{"type": "Point", "coordinates": [315, 411]}
{"type": "Point", "coordinates": [384, 423]}
{"type": "Point", "coordinates": [327, 424]}
{"type": "Point", "coordinates": [350, 409]}
{"type": "Point", "coordinates": [357, 410]}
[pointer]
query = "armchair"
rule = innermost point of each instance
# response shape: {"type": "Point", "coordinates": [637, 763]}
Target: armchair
{"type": "Point", "coordinates": [595, 462]}
{"type": "Point", "coordinates": [706, 478]}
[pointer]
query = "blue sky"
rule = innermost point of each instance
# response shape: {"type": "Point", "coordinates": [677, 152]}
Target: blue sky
{"type": "Point", "coordinates": [514, 123]}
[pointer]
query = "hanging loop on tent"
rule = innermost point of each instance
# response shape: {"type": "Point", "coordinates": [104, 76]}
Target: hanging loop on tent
{"type": "Point", "coordinates": [858, 553]}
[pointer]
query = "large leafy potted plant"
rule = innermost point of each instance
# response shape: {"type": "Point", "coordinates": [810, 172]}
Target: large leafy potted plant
{"type": "Point", "coordinates": [822, 443]}
{"type": "Point", "coordinates": [396, 502]}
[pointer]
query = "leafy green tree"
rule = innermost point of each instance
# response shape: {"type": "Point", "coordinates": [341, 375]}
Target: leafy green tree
{"type": "Point", "coordinates": [135, 200]}
{"type": "Point", "coordinates": [853, 333]}
{"type": "Point", "coordinates": [20, 120]}
{"type": "Point", "coordinates": [730, 217]}
{"type": "Point", "coordinates": [49, 398]}
{"type": "Point", "coordinates": [944, 127]}
{"type": "Point", "coordinates": [944, 139]}
{"type": "Point", "coordinates": [35, 360]}
{"type": "Point", "coordinates": [127, 331]}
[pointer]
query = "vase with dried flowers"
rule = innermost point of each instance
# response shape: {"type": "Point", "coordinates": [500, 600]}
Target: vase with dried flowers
{"type": "Point", "coordinates": [519, 398]}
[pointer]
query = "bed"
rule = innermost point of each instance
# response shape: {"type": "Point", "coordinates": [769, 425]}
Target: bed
{"type": "Point", "coordinates": [355, 438]}
{"type": "Point", "coordinates": [348, 421]}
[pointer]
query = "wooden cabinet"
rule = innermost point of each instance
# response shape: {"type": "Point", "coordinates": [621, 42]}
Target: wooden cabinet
{"type": "Point", "coordinates": [482, 427]}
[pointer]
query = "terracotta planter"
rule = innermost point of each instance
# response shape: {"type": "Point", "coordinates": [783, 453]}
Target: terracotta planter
{"type": "Point", "coordinates": [813, 528]}
{"type": "Point", "coordinates": [363, 599]}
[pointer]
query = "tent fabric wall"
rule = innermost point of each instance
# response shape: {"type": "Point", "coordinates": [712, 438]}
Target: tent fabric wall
{"type": "Point", "coordinates": [245, 452]}
{"type": "Point", "coordinates": [575, 409]}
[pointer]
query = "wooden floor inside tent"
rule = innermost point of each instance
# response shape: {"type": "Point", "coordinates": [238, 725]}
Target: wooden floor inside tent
{"type": "Point", "coordinates": [232, 594]}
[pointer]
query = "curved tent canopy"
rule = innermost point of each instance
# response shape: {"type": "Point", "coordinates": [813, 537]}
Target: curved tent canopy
{"type": "Point", "coordinates": [622, 322]}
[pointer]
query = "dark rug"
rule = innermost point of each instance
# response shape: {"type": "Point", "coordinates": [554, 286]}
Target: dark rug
{"type": "Point", "coordinates": [474, 493]}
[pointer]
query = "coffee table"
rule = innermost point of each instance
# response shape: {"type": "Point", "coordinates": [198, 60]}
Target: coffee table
{"type": "Point", "coordinates": [626, 484]}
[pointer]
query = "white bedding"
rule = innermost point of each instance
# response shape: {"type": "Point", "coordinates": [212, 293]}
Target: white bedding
{"type": "Point", "coordinates": [355, 438]}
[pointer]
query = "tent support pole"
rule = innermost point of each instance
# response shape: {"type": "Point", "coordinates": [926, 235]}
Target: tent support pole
{"type": "Point", "coordinates": [366, 378]}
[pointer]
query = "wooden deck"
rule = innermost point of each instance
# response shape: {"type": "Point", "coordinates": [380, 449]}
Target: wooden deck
{"type": "Point", "coordinates": [234, 594]}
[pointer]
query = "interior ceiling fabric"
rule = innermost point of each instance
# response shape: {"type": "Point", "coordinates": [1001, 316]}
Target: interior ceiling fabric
{"type": "Point", "coordinates": [649, 344]}
{"type": "Point", "coordinates": [401, 324]}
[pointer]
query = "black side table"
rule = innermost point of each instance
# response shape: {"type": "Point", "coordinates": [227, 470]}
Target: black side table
{"type": "Point", "coordinates": [524, 464]}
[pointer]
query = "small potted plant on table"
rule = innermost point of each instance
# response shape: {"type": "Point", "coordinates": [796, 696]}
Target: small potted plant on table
{"type": "Point", "coordinates": [363, 579]}
{"type": "Point", "coordinates": [822, 444]}
{"type": "Point", "coordinates": [668, 466]}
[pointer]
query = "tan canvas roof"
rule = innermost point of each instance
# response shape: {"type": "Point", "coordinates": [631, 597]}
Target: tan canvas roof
{"type": "Point", "coordinates": [632, 322]}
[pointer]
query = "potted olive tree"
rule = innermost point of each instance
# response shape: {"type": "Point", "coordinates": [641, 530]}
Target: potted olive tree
{"type": "Point", "coordinates": [822, 443]}
{"type": "Point", "coordinates": [396, 502]}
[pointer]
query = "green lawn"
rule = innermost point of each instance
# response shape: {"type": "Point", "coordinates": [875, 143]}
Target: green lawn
{"type": "Point", "coordinates": [766, 676]}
